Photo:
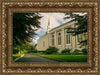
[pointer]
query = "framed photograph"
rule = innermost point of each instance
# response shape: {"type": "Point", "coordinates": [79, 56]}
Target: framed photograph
{"type": "Point", "coordinates": [53, 37]}
{"type": "Point", "coordinates": [49, 37]}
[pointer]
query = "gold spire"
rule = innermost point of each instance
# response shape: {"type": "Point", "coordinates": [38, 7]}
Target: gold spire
{"type": "Point", "coordinates": [48, 27]}
{"type": "Point", "coordinates": [48, 21]}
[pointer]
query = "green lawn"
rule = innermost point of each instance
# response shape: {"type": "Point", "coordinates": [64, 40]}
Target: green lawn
{"type": "Point", "coordinates": [15, 56]}
{"type": "Point", "coordinates": [65, 58]}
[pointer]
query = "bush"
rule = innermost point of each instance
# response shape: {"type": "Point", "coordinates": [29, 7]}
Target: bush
{"type": "Point", "coordinates": [52, 50]}
{"type": "Point", "coordinates": [76, 51]}
{"type": "Point", "coordinates": [42, 52]}
{"type": "Point", "coordinates": [15, 51]}
{"type": "Point", "coordinates": [35, 51]}
{"type": "Point", "coordinates": [84, 51]}
{"type": "Point", "coordinates": [32, 51]}
{"type": "Point", "coordinates": [65, 51]}
{"type": "Point", "coordinates": [29, 51]}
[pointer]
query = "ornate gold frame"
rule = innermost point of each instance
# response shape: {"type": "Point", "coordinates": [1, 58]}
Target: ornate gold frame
{"type": "Point", "coordinates": [8, 7]}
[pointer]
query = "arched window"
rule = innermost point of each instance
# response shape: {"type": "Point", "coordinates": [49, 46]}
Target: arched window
{"type": "Point", "coordinates": [68, 38]}
{"type": "Point", "coordinates": [52, 40]}
{"type": "Point", "coordinates": [59, 38]}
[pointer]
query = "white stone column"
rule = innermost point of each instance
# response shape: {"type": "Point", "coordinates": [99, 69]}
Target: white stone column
{"type": "Point", "coordinates": [55, 35]}
{"type": "Point", "coordinates": [49, 40]}
{"type": "Point", "coordinates": [62, 39]}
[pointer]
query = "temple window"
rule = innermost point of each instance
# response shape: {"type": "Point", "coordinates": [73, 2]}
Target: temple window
{"type": "Point", "coordinates": [68, 38]}
{"type": "Point", "coordinates": [59, 38]}
{"type": "Point", "coordinates": [52, 40]}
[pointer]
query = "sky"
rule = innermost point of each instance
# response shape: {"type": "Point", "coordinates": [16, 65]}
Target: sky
{"type": "Point", "coordinates": [56, 19]}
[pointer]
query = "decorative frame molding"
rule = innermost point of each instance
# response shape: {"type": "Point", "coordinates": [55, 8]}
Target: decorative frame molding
{"type": "Point", "coordinates": [8, 7]}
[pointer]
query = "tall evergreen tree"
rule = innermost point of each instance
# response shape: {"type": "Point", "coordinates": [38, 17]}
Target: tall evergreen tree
{"type": "Point", "coordinates": [24, 27]}
{"type": "Point", "coordinates": [80, 25]}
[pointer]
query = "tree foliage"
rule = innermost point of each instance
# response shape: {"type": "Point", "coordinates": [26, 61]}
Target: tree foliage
{"type": "Point", "coordinates": [25, 48]}
{"type": "Point", "coordinates": [80, 25]}
{"type": "Point", "coordinates": [24, 27]}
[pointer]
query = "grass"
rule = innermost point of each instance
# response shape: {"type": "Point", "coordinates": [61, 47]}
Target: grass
{"type": "Point", "coordinates": [65, 58]}
{"type": "Point", "coordinates": [15, 56]}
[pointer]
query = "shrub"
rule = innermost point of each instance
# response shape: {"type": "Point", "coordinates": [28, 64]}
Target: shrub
{"type": "Point", "coordinates": [15, 51]}
{"type": "Point", "coordinates": [42, 52]}
{"type": "Point", "coordinates": [84, 51]}
{"type": "Point", "coordinates": [51, 50]}
{"type": "Point", "coordinates": [65, 51]}
{"type": "Point", "coordinates": [76, 51]}
{"type": "Point", "coordinates": [32, 51]}
{"type": "Point", "coordinates": [29, 51]}
{"type": "Point", "coordinates": [35, 51]}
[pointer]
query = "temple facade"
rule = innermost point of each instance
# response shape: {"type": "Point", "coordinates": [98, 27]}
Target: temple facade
{"type": "Point", "coordinates": [59, 38]}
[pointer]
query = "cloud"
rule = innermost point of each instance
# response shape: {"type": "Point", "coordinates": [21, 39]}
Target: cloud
{"type": "Point", "coordinates": [35, 39]}
{"type": "Point", "coordinates": [41, 33]}
{"type": "Point", "coordinates": [56, 19]}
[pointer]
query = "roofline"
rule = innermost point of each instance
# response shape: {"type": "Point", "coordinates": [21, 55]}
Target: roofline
{"type": "Point", "coordinates": [58, 27]}
{"type": "Point", "coordinates": [61, 25]}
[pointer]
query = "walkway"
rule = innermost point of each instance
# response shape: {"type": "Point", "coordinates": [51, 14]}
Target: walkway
{"type": "Point", "coordinates": [34, 58]}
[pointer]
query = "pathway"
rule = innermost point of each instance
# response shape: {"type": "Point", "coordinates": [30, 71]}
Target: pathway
{"type": "Point", "coordinates": [34, 58]}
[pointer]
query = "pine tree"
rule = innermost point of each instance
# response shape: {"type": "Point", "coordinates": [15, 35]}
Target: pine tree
{"type": "Point", "coordinates": [80, 25]}
{"type": "Point", "coordinates": [24, 27]}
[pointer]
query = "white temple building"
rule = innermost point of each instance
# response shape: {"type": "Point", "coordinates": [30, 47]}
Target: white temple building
{"type": "Point", "coordinates": [59, 38]}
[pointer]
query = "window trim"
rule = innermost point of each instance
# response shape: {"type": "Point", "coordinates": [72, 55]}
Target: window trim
{"type": "Point", "coordinates": [59, 38]}
{"type": "Point", "coordinates": [69, 39]}
{"type": "Point", "coordinates": [53, 38]}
